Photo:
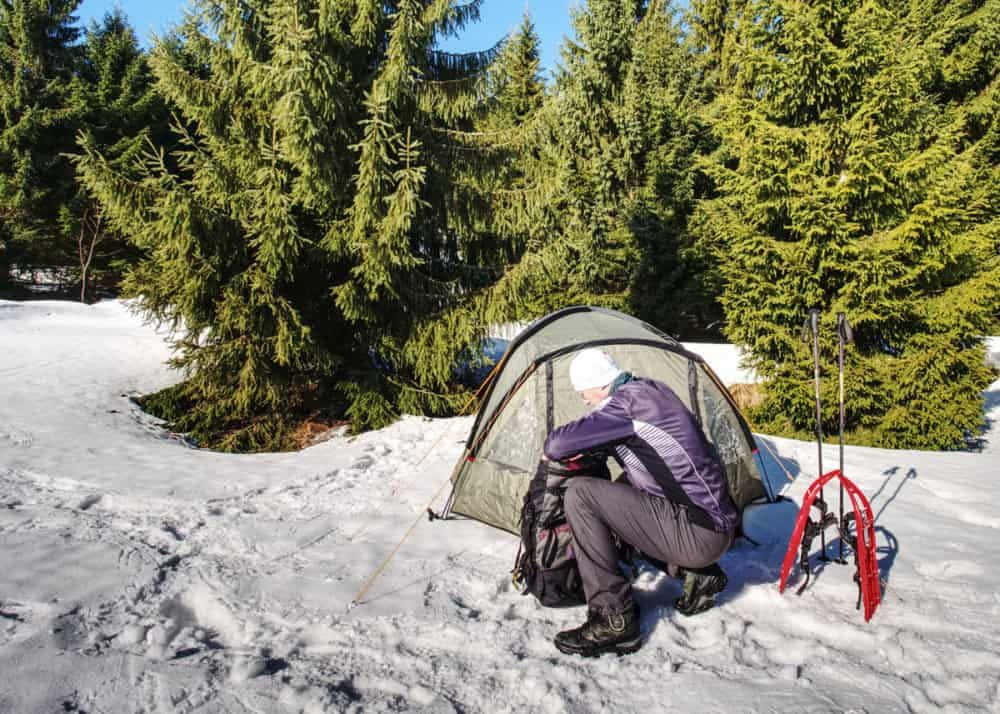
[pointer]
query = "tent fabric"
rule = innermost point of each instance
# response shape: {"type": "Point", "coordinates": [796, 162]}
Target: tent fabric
{"type": "Point", "coordinates": [505, 442]}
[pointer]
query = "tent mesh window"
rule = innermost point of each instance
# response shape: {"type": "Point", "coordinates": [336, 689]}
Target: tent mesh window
{"type": "Point", "coordinates": [516, 439]}
{"type": "Point", "coordinates": [726, 435]}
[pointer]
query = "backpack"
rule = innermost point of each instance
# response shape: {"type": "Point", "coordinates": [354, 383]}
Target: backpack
{"type": "Point", "coordinates": [545, 565]}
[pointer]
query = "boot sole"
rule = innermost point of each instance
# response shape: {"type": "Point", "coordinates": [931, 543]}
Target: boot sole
{"type": "Point", "coordinates": [619, 648]}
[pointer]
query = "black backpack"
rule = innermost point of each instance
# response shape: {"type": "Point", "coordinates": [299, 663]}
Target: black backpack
{"type": "Point", "coordinates": [545, 565]}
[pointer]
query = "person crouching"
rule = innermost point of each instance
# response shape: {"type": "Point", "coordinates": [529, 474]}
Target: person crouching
{"type": "Point", "coordinates": [674, 506]}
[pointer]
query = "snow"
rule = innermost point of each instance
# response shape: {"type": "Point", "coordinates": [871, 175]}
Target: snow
{"type": "Point", "coordinates": [993, 351]}
{"type": "Point", "coordinates": [725, 360]}
{"type": "Point", "coordinates": [137, 574]}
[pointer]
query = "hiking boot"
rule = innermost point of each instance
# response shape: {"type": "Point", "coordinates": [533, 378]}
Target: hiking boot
{"type": "Point", "coordinates": [700, 588]}
{"type": "Point", "coordinates": [618, 633]}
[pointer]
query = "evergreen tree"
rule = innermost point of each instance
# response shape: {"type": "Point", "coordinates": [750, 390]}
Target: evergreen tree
{"type": "Point", "coordinates": [517, 86]}
{"type": "Point", "coordinates": [858, 173]}
{"type": "Point", "coordinates": [547, 261]}
{"type": "Point", "coordinates": [307, 223]}
{"type": "Point", "coordinates": [604, 191]}
{"type": "Point", "coordinates": [628, 131]}
{"type": "Point", "coordinates": [499, 199]}
{"type": "Point", "coordinates": [597, 171]}
{"type": "Point", "coordinates": [677, 283]}
{"type": "Point", "coordinates": [502, 188]}
{"type": "Point", "coordinates": [124, 113]}
{"type": "Point", "coordinates": [605, 187]}
{"type": "Point", "coordinates": [41, 106]}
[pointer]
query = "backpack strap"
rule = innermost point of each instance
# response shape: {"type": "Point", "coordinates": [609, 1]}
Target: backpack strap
{"type": "Point", "coordinates": [524, 562]}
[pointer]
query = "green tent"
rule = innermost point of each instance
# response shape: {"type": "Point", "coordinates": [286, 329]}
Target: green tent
{"type": "Point", "coordinates": [530, 392]}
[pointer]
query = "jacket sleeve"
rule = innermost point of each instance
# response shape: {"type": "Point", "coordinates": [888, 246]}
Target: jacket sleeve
{"type": "Point", "coordinates": [603, 427]}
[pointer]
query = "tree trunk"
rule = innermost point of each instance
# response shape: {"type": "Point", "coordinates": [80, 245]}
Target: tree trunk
{"type": "Point", "coordinates": [87, 256]}
{"type": "Point", "coordinates": [4, 268]}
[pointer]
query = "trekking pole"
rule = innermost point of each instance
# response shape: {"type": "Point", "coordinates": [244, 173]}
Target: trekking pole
{"type": "Point", "coordinates": [844, 335]}
{"type": "Point", "coordinates": [813, 323]}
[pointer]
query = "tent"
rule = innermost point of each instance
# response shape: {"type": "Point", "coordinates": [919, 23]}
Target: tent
{"type": "Point", "coordinates": [530, 393]}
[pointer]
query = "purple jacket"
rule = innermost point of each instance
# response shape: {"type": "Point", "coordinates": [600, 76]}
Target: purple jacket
{"type": "Point", "coordinates": [659, 445]}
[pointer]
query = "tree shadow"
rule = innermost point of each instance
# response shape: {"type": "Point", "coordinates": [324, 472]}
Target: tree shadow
{"type": "Point", "coordinates": [991, 401]}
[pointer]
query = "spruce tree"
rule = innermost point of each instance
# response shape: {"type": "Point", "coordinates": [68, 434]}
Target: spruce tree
{"type": "Point", "coordinates": [517, 88]}
{"type": "Point", "coordinates": [41, 107]}
{"type": "Point", "coordinates": [677, 283]}
{"type": "Point", "coordinates": [418, 231]}
{"type": "Point", "coordinates": [627, 106]}
{"type": "Point", "coordinates": [124, 113]}
{"type": "Point", "coordinates": [605, 184]}
{"type": "Point", "coordinates": [307, 222]}
{"type": "Point", "coordinates": [499, 199]}
{"type": "Point", "coordinates": [597, 164]}
{"type": "Point", "coordinates": [858, 173]}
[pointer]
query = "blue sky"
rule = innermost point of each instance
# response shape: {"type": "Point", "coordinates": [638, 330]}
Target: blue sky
{"type": "Point", "coordinates": [498, 17]}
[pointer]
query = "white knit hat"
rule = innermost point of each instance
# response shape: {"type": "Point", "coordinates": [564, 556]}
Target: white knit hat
{"type": "Point", "coordinates": [592, 368]}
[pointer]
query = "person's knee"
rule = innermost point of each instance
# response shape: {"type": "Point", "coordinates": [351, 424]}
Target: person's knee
{"type": "Point", "coordinates": [577, 498]}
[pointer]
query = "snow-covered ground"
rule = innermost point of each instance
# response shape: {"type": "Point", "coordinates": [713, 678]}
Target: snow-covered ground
{"type": "Point", "coordinates": [139, 575]}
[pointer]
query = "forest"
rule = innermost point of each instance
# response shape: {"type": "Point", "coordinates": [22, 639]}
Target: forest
{"type": "Point", "coordinates": [332, 214]}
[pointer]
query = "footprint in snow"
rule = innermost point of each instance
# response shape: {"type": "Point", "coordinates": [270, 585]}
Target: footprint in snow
{"type": "Point", "coordinates": [18, 438]}
{"type": "Point", "coordinates": [69, 632]}
{"type": "Point", "coordinates": [705, 634]}
{"type": "Point", "coordinates": [363, 463]}
{"type": "Point", "coordinates": [949, 569]}
{"type": "Point", "coordinates": [90, 501]}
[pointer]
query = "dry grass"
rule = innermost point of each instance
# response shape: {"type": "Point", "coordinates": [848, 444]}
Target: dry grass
{"type": "Point", "coordinates": [314, 431]}
{"type": "Point", "coordinates": [747, 396]}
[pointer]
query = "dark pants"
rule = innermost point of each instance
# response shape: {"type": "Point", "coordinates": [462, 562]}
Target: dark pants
{"type": "Point", "coordinates": [596, 509]}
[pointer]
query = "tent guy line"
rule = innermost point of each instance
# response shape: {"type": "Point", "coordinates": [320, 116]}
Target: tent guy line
{"type": "Point", "coordinates": [357, 599]}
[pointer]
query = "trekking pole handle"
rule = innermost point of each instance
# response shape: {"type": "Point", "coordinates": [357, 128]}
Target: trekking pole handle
{"type": "Point", "coordinates": [844, 329]}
